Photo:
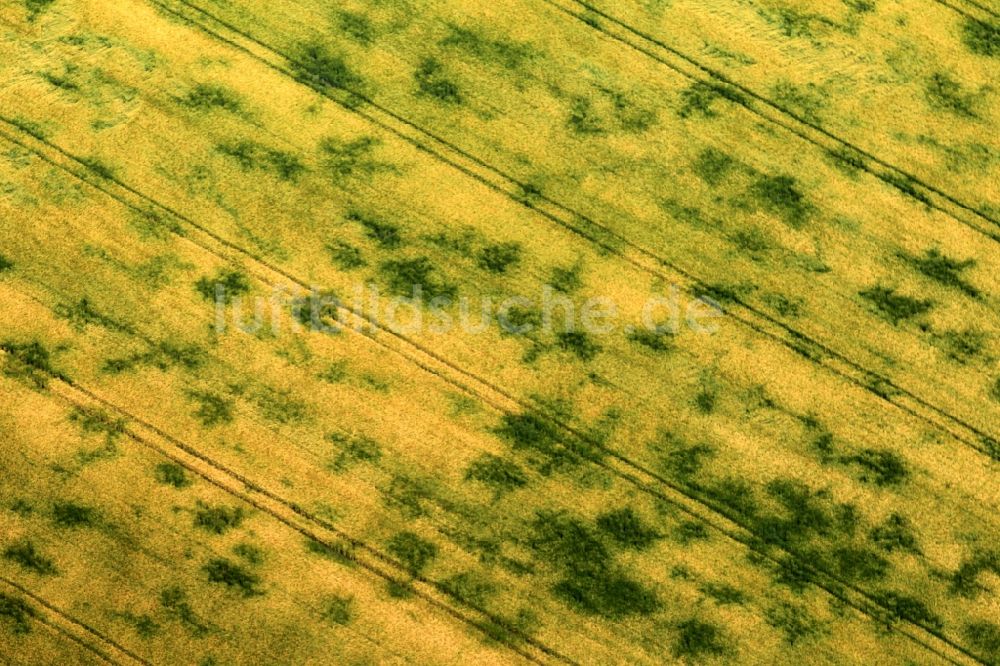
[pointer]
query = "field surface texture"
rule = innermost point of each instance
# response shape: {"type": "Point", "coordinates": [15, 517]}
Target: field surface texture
{"type": "Point", "coordinates": [476, 332]}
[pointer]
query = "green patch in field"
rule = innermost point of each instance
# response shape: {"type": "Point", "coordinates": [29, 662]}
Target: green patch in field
{"type": "Point", "coordinates": [963, 346]}
{"type": "Point", "coordinates": [713, 166]}
{"type": "Point", "coordinates": [234, 576]}
{"type": "Point", "coordinates": [162, 355]}
{"type": "Point", "coordinates": [226, 285]}
{"type": "Point", "coordinates": [144, 625]}
{"type": "Point", "coordinates": [5, 264]}
{"type": "Point", "coordinates": [209, 96]}
{"type": "Point", "coordinates": [723, 594]}
{"type": "Point", "coordinates": [699, 99]}
{"type": "Point", "coordinates": [896, 607]}
{"type": "Point", "coordinates": [345, 256]}
{"type": "Point", "coordinates": [338, 609]}
{"type": "Point", "coordinates": [253, 156]}
{"type": "Point", "coordinates": [469, 588]}
{"type": "Point", "coordinates": [590, 582]}
{"type": "Point", "coordinates": [678, 459]}
{"type": "Point", "coordinates": [499, 474]}
{"type": "Point", "coordinates": [981, 38]}
{"type": "Point", "coordinates": [579, 343]}
{"type": "Point", "coordinates": [314, 65]}
{"type": "Point", "coordinates": [218, 519]}
{"type": "Point", "coordinates": [880, 467]}
{"type": "Point", "coordinates": [895, 308]}
{"type": "Point", "coordinates": [535, 434]}
{"type": "Point", "coordinates": [71, 514]}
{"type": "Point", "coordinates": [698, 639]}
{"type": "Point", "coordinates": [984, 637]}
{"type": "Point", "coordinates": [98, 168]}
{"type": "Point", "coordinates": [30, 362]}
{"type": "Point", "coordinates": [583, 119]}
{"type": "Point", "coordinates": [625, 528]}
{"type": "Point", "coordinates": [96, 421]}
{"type": "Point", "coordinates": [895, 533]}
{"type": "Point", "coordinates": [175, 602]}
{"type": "Point", "coordinates": [500, 257]}
{"type": "Point", "coordinates": [946, 94]}
{"type": "Point", "coordinates": [29, 127]}
{"type": "Point", "coordinates": [417, 278]}
{"type": "Point", "coordinates": [82, 313]}
{"type": "Point", "coordinates": [413, 551]}
{"type": "Point", "coordinates": [501, 51]}
{"type": "Point", "coordinates": [806, 102]}
{"type": "Point", "coordinates": [171, 474]}
{"type": "Point", "coordinates": [37, 7]}
{"type": "Point", "coordinates": [213, 409]}
{"type": "Point", "coordinates": [26, 555]}
{"type": "Point", "coordinates": [659, 341]}
{"type": "Point", "coordinates": [16, 614]}
{"type": "Point", "coordinates": [385, 234]}
{"type": "Point", "coordinates": [781, 195]}
{"type": "Point", "coordinates": [249, 553]}
{"type": "Point", "coordinates": [689, 531]}
{"type": "Point", "coordinates": [354, 449]}
{"type": "Point", "coordinates": [794, 621]}
{"type": "Point", "coordinates": [432, 81]}
{"type": "Point", "coordinates": [344, 158]}
{"type": "Point", "coordinates": [906, 185]}
{"type": "Point", "coordinates": [965, 580]}
{"type": "Point", "coordinates": [566, 280]}
{"type": "Point", "coordinates": [356, 26]}
{"type": "Point", "coordinates": [943, 269]}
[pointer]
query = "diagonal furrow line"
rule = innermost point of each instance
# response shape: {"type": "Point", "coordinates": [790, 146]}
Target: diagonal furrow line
{"type": "Point", "coordinates": [312, 527]}
{"type": "Point", "coordinates": [992, 13]}
{"type": "Point", "coordinates": [69, 626]}
{"type": "Point", "coordinates": [594, 232]}
{"type": "Point", "coordinates": [646, 481]}
{"type": "Point", "coordinates": [803, 128]}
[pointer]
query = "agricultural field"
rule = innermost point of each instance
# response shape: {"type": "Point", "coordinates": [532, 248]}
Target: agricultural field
{"type": "Point", "coordinates": [546, 331]}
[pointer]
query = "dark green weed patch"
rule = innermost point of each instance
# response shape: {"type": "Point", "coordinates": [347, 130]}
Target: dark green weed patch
{"type": "Point", "coordinates": [314, 65]}
{"type": "Point", "coordinates": [233, 576]}
{"type": "Point", "coordinates": [432, 81]}
{"type": "Point", "coordinates": [212, 409]}
{"type": "Point", "coordinates": [16, 614]}
{"type": "Point", "coordinates": [25, 554]}
{"type": "Point", "coordinates": [697, 639]}
{"type": "Point", "coordinates": [171, 474]}
{"type": "Point", "coordinates": [225, 286]}
{"type": "Point", "coordinates": [945, 93]}
{"type": "Point", "coordinates": [413, 551]}
{"type": "Point", "coordinates": [981, 38]}
{"type": "Point", "coordinates": [218, 519]}
{"type": "Point", "coordinates": [500, 257]}
{"type": "Point", "coordinates": [208, 96]}
{"type": "Point", "coordinates": [501, 475]}
{"type": "Point", "coordinates": [782, 196]}
{"type": "Point", "coordinates": [385, 234]}
{"type": "Point", "coordinates": [175, 602]}
{"type": "Point", "coordinates": [943, 269]}
{"type": "Point", "coordinates": [71, 514]}
{"type": "Point", "coordinates": [30, 362]}
{"type": "Point", "coordinates": [408, 277]}
{"type": "Point", "coordinates": [894, 307]}
{"type": "Point", "coordinates": [626, 529]}
{"type": "Point", "coordinates": [252, 156]}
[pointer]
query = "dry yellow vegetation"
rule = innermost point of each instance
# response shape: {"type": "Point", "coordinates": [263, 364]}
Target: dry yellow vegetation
{"type": "Point", "coordinates": [221, 445]}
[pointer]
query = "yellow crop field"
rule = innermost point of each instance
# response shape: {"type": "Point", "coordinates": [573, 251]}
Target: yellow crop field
{"type": "Point", "coordinates": [548, 331]}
